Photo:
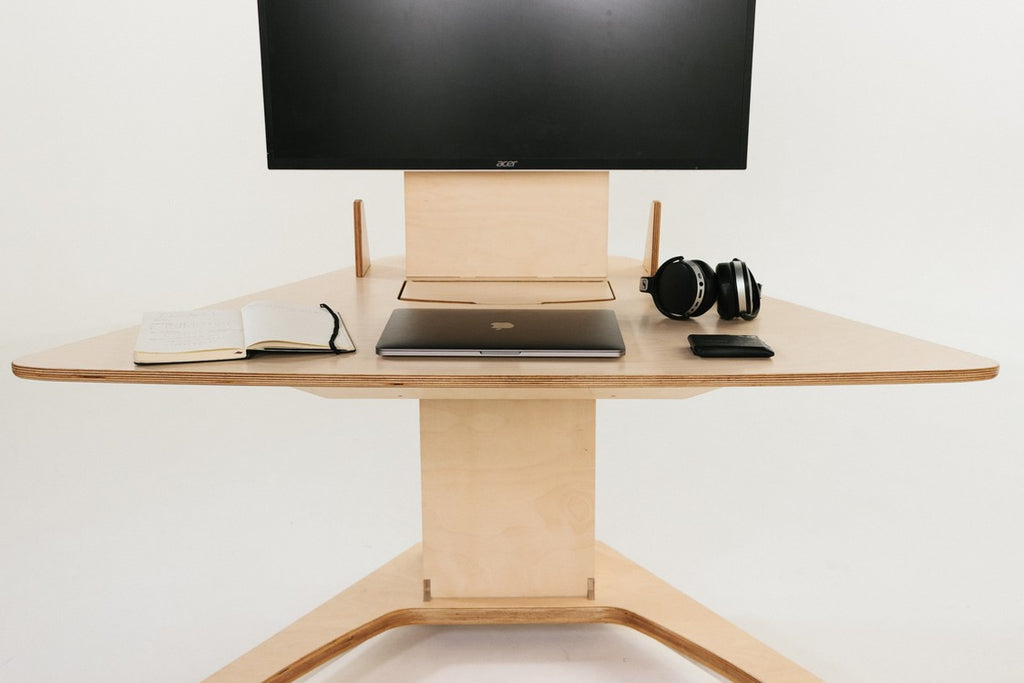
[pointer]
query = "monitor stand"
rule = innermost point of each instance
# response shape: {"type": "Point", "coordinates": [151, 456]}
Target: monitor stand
{"type": "Point", "coordinates": [506, 237]}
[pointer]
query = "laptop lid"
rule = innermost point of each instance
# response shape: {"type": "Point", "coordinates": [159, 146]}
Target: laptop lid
{"type": "Point", "coordinates": [525, 333]}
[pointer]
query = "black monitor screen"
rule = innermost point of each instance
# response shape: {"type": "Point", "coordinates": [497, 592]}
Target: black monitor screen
{"type": "Point", "coordinates": [483, 84]}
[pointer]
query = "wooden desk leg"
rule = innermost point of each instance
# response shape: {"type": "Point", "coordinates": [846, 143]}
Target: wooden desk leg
{"type": "Point", "coordinates": [508, 502]}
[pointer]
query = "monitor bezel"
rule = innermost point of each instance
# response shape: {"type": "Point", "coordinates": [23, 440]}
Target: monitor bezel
{"type": "Point", "coordinates": [508, 164]}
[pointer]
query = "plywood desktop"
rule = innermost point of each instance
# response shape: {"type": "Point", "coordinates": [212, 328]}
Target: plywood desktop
{"type": "Point", "coordinates": [507, 457]}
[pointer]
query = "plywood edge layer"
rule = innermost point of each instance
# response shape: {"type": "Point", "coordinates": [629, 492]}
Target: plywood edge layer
{"type": "Point", "coordinates": [142, 376]}
{"type": "Point", "coordinates": [510, 616]}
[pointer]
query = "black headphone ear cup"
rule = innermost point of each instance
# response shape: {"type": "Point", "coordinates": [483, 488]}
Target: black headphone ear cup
{"type": "Point", "coordinates": [682, 289]}
{"type": "Point", "coordinates": [728, 303]}
{"type": "Point", "coordinates": [739, 294]}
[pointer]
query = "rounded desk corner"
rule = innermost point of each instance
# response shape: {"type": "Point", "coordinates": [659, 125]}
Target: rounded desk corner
{"type": "Point", "coordinates": [23, 371]}
{"type": "Point", "coordinates": [993, 370]}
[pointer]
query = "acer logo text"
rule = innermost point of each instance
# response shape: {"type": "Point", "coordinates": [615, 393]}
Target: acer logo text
{"type": "Point", "coordinates": [507, 164]}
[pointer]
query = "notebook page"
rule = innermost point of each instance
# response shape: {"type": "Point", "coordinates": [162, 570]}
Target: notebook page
{"type": "Point", "coordinates": [270, 322]}
{"type": "Point", "coordinates": [187, 331]}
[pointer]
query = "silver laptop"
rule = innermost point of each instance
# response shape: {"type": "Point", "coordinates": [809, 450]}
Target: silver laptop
{"type": "Point", "coordinates": [505, 333]}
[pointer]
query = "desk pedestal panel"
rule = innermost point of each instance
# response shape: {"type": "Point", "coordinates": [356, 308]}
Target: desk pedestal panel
{"type": "Point", "coordinates": [508, 498]}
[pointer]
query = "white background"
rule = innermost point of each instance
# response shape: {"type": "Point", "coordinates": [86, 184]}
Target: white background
{"type": "Point", "coordinates": [869, 533]}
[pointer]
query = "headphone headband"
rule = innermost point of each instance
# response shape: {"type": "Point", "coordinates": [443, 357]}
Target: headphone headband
{"type": "Point", "coordinates": [702, 289]}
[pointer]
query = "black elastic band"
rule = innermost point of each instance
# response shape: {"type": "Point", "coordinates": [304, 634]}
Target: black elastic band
{"type": "Point", "coordinates": [337, 327]}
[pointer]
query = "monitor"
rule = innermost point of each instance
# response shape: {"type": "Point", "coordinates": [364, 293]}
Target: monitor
{"type": "Point", "coordinates": [506, 84]}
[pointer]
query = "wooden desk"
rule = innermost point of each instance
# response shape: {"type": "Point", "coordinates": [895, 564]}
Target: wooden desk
{"type": "Point", "coordinates": [507, 450]}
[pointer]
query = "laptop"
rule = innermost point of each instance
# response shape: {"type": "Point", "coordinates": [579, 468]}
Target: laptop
{"type": "Point", "coordinates": [502, 333]}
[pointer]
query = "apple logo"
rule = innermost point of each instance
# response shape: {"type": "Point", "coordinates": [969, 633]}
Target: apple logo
{"type": "Point", "coordinates": [502, 326]}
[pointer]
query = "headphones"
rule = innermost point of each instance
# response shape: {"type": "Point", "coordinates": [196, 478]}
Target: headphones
{"type": "Point", "coordinates": [683, 289]}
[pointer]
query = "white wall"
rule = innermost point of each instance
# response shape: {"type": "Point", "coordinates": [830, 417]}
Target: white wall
{"type": "Point", "coordinates": [870, 533]}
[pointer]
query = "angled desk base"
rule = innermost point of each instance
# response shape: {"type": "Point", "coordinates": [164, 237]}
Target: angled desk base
{"type": "Point", "coordinates": [508, 538]}
{"type": "Point", "coordinates": [626, 595]}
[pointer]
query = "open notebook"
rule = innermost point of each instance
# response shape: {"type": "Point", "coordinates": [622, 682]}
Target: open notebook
{"type": "Point", "coordinates": [226, 334]}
